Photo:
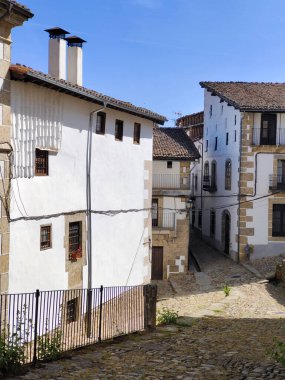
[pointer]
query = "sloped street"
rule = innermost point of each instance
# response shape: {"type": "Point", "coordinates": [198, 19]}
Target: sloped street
{"type": "Point", "coordinates": [217, 338]}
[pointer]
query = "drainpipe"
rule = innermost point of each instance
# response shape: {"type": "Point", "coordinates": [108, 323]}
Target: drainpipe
{"type": "Point", "coordinates": [88, 194]}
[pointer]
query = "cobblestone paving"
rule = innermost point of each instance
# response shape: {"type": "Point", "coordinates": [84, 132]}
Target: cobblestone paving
{"type": "Point", "coordinates": [217, 337]}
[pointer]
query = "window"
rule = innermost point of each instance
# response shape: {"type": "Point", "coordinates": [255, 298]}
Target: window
{"type": "Point", "coordinates": [213, 223]}
{"type": "Point", "coordinates": [235, 136]}
{"type": "Point", "coordinates": [211, 111]}
{"type": "Point", "coordinates": [41, 162]}
{"type": "Point", "coordinates": [268, 129]}
{"type": "Point", "coordinates": [278, 220]}
{"type": "Point", "coordinates": [137, 133]}
{"type": "Point", "coordinates": [119, 126]}
{"type": "Point", "coordinates": [216, 143]}
{"type": "Point", "coordinates": [45, 237]}
{"type": "Point", "coordinates": [206, 170]}
{"type": "Point", "coordinates": [169, 164]}
{"type": "Point", "coordinates": [227, 138]}
{"type": "Point", "coordinates": [206, 146]}
{"type": "Point", "coordinates": [214, 175]}
{"type": "Point", "coordinates": [75, 239]}
{"type": "Point", "coordinates": [228, 175]}
{"type": "Point", "coordinates": [196, 182]}
{"type": "Point", "coordinates": [235, 119]}
{"type": "Point", "coordinates": [71, 310]}
{"type": "Point", "coordinates": [100, 123]}
{"type": "Point", "coordinates": [200, 219]}
{"type": "Point", "coordinates": [222, 109]}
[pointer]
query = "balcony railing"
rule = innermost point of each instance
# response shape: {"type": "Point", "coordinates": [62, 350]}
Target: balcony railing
{"type": "Point", "coordinates": [209, 183]}
{"type": "Point", "coordinates": [164, 220]}
{"type": "Point", "coordinates": [276, 182]}
{"type": "Point", "coordinates": [266, 137]}
{"type": "Point", "coordinates": [171, 181]}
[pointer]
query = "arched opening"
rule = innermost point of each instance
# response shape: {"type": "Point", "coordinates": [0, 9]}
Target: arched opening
{"type": "Point", "coordinates": [226, 231]}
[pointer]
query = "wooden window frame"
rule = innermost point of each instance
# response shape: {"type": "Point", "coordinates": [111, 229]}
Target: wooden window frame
{"type": "Point", "coordinates": [119, 130]}
{"type": "Point", "coordinates": [49, 226]}
{"type": "Point", "coordinates": [137, 133]}
{"type": "Point", "coordinates": [41, 162]}
{"type": "Point", "coordinates": [100, 126]}
{"type": "Point", "coordinates": [75, 254]}
{"type": "Point", "coordinates": [228, 175]}
{"type": "Point", "coordinates": [280, 221]}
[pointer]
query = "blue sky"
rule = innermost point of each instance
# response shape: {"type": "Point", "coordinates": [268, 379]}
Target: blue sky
{"type": "Point", "coordinates": [154, 53]}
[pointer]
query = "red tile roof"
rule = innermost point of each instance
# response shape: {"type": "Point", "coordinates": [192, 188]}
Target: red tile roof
{"type": "Point", "coordinates": [250, 96]}
{"type": "Point", "coordinates": [20, 72]}
{"type": "Point", "coordinates": [173, 144]}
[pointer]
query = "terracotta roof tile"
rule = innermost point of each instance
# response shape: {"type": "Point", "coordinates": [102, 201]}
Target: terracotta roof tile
{"type": "Point", "coordinates": [250, 96]}
{"type": "Point", "coordinates": [21, 72]}
{"type": "Point", "coordinates": [173, 143]}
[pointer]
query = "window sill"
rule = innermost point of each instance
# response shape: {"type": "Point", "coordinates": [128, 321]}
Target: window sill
{"type": "Point", "coordinates": [119, 139]}
{"type": "Point", "coordinates": [46, 248]}
{"type": "Point", "coordinates": [100, 133]}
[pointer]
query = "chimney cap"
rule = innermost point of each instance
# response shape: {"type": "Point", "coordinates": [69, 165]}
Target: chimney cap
{"type": "Point", "coordinates": [56, 32]}
{"type": "Point", "coordinates": [74, 41]}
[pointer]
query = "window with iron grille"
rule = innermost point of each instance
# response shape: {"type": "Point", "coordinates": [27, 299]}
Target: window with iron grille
{"type": "Point", "coordinates": [75, 240]}
{"type": "Point", "coordinates": [41, 162]}
{"type": "Point", "coordinates": [137, 133]}
{"type": "Point", "coordinates": [45, 237]}
{"type": "Point", "coordinates": [71, 310]}
{"type": "Point", "coordinates": [278, 220]}
{"type": "Point", "coordinates": [119, 130]}
{"type": "Point", "coordinates": [228, 175]}
{"type": "Point", "coordinates": [100, 123]}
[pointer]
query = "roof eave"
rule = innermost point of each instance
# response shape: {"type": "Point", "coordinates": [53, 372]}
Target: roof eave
{"type": "Point", "coordinates": [24, 12]}
{"type": "Point", "coordinates": [62, 87]}
{"type": "Point", "coordinates": [172, 158]}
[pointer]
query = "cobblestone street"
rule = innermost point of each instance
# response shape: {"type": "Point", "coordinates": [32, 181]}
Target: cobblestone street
{"type": "Point", "coordinates": [217, 337]}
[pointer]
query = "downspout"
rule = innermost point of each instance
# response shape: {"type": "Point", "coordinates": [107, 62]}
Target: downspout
{"type": "Point", "coordinates": [88, 195]}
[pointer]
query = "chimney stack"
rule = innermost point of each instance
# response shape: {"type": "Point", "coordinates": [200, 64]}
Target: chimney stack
{"type": "Point", "coordinates": [75, 59]}
{"type": "Point", "coordinates": [57, 52]}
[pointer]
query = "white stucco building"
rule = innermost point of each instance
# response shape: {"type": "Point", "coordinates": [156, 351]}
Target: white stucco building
{"type": "Point", "coordinates": [173, 152]}
{"type": "Point", "coordinates": [53, 166]}
{"type": "Point", "coordinates": [243, 208]}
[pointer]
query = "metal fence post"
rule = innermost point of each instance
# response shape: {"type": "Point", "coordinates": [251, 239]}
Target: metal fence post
{"type": "Point", "coordinates": [100, 314]}
{"type": "Point", "coordinates": [89, 311]}
{"type": "Point", "coordinates": [150, 297]}
{"type": "Point", "coordinates": [37, 295]}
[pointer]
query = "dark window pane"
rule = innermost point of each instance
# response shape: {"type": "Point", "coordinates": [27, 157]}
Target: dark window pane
{"type": "Point", "coordinates": [41, 162]}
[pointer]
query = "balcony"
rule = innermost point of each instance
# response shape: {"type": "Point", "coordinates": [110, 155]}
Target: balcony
{"type": "Point", "coordinates": [209, 184]}
{"type": "Point", "coordinates": [171, 181]}
{"type": "Point", "coordinates": [268, 137]}
{"type": "Point", "coordinates": [163, 220]}
{"type": "Point", "coordinates": [276, 182]}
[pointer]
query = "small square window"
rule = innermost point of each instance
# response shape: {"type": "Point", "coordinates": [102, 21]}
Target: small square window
{"type": "Point", "coordinates": [41, 162]}
{"type": "Point", "coordinates": [137, 133]}
{"type": "Point", "coordinates": [119, 126]}
{"type": "Point", "coordinates": [100, 123]}
{"type": "Point", "coordinates": [71, 310]}
{"type": "Point", "coordinates": [169, 164]}
{"type": "Point", "coordinates": [45, 237]}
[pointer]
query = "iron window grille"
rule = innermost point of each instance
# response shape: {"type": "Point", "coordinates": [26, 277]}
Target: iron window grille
{"type": "Point", "coordinates": [278, 220]}
{"type": "Point", "coordinates": [41, 162]}
{"type": "Point", "coordinates": [100, 123]}
{"type": "Point", "coordinates": [46, 237]}
{"type": "Point", "coordinates": [137, 133]}
{"type": "Point", "coordinates": [71, 310]}
{"type": "Point", "coordinates": [119, 126]}
{"type": "Point", "coordinates": [75, 240]}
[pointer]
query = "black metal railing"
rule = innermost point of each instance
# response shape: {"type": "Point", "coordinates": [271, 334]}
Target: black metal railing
{"type": "Point", "coordinates": [171, 181]}
{"type": "Point", "coordinates": [267, 137]}
{"type": "Point", "coordinates": [276, 182]}
{"type": "Point", "coordinates": [164, 220]}
{"type": "Point", "coordinates": [70, 318]}
{"type": "Point", "coordinates": [209, 183]}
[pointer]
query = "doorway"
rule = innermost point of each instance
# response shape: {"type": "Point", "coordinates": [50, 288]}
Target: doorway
{"type": "Point", "coordinates": [157, 263]}
{"type": "Point", "coordinates": [226, 231]}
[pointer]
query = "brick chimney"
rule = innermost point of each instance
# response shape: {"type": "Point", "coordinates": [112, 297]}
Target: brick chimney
{"type": "Point", "coordinates": [75, 60]}
{"type": "Point", "coordinates": [57, 52]}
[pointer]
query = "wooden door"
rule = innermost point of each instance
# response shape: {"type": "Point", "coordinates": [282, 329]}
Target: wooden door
{"type": "Point", "coordinates": [157, 263]}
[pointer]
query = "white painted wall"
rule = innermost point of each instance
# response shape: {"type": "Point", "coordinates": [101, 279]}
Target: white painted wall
{"type": "Point", "coordinates": [117, 183]}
